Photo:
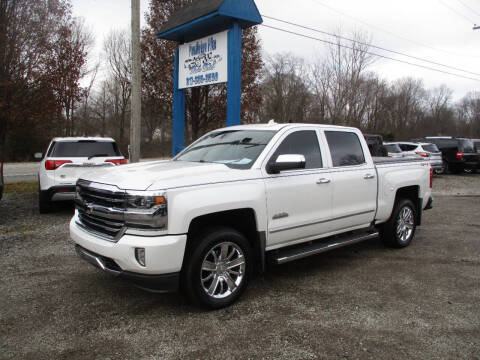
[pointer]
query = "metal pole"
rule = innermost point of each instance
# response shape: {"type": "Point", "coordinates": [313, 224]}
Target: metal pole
{"type": "Point", "coordinates": [136, 104]}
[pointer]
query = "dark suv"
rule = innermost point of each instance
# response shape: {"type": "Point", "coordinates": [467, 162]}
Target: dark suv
{"type": "Point", "coordinates": [375, 145]}
{"type": "Point", "coordinates": [1, 180]}
{"type": "Point", "coordinates": [458, 154]}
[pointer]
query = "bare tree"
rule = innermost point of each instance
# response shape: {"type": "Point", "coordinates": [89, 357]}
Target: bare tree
{"type": "Point", "coordinates": [286, 97]}
{"type": "Point", "coordinates": [118, 55]}
{"type": "Point", "coordinates": [337, 81]}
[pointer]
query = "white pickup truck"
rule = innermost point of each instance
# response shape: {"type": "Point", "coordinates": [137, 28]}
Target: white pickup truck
{"type": "Point", "coordinates": [240, 197]}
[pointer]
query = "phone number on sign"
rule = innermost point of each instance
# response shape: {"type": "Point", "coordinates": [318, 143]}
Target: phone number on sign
{"type": "Point", "coordinates": [202, 79]}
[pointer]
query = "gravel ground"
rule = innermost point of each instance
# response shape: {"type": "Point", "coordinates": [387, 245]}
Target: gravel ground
{"type": "Point", "coordinates": [360, 302]}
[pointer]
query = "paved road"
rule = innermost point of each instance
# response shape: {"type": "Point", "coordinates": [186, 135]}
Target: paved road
{"type": "Point", "coordinates": [16, 172]}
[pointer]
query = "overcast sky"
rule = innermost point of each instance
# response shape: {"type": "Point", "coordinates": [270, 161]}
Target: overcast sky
{"type": "Point", "coordinates": [437, 30]}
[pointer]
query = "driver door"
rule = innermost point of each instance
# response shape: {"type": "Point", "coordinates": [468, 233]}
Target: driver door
{"type": "Point", "coordinates": [298, 201]}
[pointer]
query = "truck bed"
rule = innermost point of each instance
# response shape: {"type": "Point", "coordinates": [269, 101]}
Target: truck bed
{"type": "Point", "coordinates": [388, 160]}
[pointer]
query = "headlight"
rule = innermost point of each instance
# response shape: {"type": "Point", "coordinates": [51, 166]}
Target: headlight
{"type": "Point", "coordinates": [146, 202]}
{"type": "Point", "coordinates": [146, 210]}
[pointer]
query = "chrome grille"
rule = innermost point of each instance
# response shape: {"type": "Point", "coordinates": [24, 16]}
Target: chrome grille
{"type": "Point", "coordinates": [100, 209]}
{"type": "Point", "coordinates": [99, 194]}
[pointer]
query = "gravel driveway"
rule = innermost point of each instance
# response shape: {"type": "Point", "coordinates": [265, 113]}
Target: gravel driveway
{"type": "Point", "coordinates": [360, 302]}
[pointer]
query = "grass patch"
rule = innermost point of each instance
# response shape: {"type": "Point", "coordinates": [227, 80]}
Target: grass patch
{"type": "Point", "coordinates": [18, 229]}
{"type": "Point", "coordinates": [21, 187]}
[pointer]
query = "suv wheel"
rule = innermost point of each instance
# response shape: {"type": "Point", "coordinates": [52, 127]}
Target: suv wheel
{"type": "Point", "coordinates": [399, 230]}
{"type": "Point", "coordinates": [44, 203]}
{"type": "Point", "coordinates": [218, 268]}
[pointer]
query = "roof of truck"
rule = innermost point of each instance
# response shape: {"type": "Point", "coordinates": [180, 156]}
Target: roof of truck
{"type": "Point", "coordinates": [277, 126]}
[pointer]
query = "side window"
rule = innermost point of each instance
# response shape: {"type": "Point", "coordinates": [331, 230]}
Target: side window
{"type": "Point", "coordinates": [345, 148]}
{"type": "Point", "coordinates": [304, 143]}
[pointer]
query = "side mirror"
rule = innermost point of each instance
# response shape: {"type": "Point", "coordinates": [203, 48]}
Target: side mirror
{"type": "Point", "coordinates": [38, 155]}
{"type": "Point", "coordinates": [287, 162]}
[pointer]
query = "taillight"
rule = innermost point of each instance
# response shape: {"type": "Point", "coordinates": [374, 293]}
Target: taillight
{"type": "Point", "coordinates": [459, 155]}
{"type": "Point", "coordinates": [422, 154]}
{"type": "Point", "coordinates": [117, 161]}
{"type": "Point", "coordinates": [55, 164]}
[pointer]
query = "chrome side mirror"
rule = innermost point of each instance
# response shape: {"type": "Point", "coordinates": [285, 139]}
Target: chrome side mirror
{"type": "Point", "coordinates": [287, 162]}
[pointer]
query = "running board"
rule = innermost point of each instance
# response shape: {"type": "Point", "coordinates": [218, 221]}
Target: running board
{"type": "Point", "coordinates": [302, 251]}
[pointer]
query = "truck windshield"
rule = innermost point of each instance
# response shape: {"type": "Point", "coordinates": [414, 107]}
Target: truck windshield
{"type": "Point", "coordinates": [235, 148]}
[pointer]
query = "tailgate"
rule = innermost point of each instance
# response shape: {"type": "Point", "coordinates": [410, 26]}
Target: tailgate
{"type": "Point", "coordinates": [68, 174]}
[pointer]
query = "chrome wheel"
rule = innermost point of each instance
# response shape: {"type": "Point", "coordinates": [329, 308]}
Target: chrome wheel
{"type": "Point", "coordinates": [405, 224]}
{"type": "Point", "coordinates": [223, 270]}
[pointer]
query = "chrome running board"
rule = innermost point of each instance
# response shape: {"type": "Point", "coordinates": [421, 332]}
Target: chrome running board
{"type": "Point", "coordinates": [320, 246]}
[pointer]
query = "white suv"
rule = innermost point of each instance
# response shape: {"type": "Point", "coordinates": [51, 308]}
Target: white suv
{"type": "Point", "coordinates": [425, 150]}
{"type": "Point", "coordinates": [66, 160]}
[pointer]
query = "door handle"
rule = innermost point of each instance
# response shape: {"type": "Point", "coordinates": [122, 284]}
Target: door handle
{"type": "Point", "coordinates": [323, 181]}
{"type": "Point", "coordinates": [368, 176]}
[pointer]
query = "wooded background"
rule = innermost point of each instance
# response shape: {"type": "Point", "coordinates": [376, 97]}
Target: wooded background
{"type": "Point", "coordinates": [49, 86]}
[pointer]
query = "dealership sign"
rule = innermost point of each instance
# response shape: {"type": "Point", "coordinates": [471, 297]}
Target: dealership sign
{"type": "Point", "coordinates": [203, 61]}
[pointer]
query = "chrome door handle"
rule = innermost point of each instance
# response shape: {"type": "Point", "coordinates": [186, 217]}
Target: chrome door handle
{"type": "Point", "coordinates": [323, 181]}
{"type": "Point", "coordinates": [368, 176]}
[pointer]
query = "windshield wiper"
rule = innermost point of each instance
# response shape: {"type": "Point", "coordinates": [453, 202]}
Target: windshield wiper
{"type": "Point", "coordinates": [96, 155]}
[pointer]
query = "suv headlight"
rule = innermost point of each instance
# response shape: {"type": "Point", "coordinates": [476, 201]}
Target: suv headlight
{"type": "Point", "coordinates": [146, 210]}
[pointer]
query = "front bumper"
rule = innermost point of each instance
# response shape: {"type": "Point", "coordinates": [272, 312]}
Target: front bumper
{"type": "Point", "coordinates": [156, 283]}
{"type": "Point", "coordinates": [163, 257]}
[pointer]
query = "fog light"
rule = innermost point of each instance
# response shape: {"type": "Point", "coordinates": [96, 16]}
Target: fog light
{"type": "Point", "coordinates": [140, 255]}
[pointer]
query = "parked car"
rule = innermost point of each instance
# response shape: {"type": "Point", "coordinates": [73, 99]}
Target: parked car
{"type": "Point", "coordinates": [476, 143]}
{"type": "Point", "coordinates": [425, 150]}
{"type": "Point", "coordinates": [458, 154]}
{"type": "Point", "coordinates": [375, 145]}
{"type": "Point", "coordinates": [66, 160]}
{"type": "Point", "coordinates": [393, 149]}
{"type": "Point", "coordinates": [240, 197]}
{"type": "Point", "coordinates": [1, 180]}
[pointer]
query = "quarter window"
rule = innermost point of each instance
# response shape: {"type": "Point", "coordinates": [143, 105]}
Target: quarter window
{"type": "Point", "coordinates": [304, 143]}
{"type": "Point", "coordinates": [345, 148]}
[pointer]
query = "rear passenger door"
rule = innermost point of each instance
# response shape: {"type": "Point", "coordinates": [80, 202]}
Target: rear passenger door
{"type": "Point", "coordinates": [354, 181]}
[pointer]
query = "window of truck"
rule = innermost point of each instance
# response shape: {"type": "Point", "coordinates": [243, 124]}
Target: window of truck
{"type": "Point", "coordinates": [345, 148]}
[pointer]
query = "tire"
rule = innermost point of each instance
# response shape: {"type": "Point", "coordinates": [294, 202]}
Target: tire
{"type": "Point", "coordinates": [207, 278]}
{"type": "Point", "coordinates": [456, 169]}
{"type": "Point", "coordinates": [44, 203]}
{"type": "Point", "coordinates": [399, 230]}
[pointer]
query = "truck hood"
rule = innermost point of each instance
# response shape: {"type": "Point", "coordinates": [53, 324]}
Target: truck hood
{"type": "Point", "coordinates": [159, 175]}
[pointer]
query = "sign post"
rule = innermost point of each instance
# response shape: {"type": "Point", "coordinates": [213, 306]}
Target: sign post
{"type": "Point", "coordinates": [209, 34]}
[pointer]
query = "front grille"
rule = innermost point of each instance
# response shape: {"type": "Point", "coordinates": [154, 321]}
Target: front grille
{"type": "Point", "coordinates": [108, 227]}
{"type": "Point", "coordinates": [105, 196]}
{"type": "Point", "coordinates": [100, 209]}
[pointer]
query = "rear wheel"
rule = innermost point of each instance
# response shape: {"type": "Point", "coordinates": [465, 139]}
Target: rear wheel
{"type": "Point", "coordinates": [454, 169]}
{"type": "Point", "coordinates": [218, 268]}
{"type": "Point", "coordinates": [399, 230]}
{"type": "Point", "coordinates": [44, 203]}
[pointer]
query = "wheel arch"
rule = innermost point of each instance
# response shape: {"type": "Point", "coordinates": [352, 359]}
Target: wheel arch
{"type": "Point", "coordinates": [243, 220]}
{"type": "Point", "coordinates": [411, 193]}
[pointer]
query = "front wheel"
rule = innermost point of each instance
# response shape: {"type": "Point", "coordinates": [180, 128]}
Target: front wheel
{"type": "Point", "coordinates": [218, 268]}
{"type": "Point", "coordinates": [399, 230]}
